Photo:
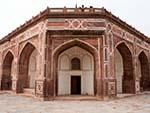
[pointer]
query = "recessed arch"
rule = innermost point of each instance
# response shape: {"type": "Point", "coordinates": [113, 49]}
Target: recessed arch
{"type": "Point", "coordinates": [6, 82]}
{"type": "Point", "coordinates": [24, 45]}
{"type": "Point", "coordinates": [64, 60]}
{"type": "Point", "coordinates": [75, 64]}
{"type": "Point", "coordinates": [127, 79]}
{"type": "Point", "coordinates": [144, 72]}
{"type": "Point", "coordinates": [66, 46]}
{"type": "Point", "coordinates": [126, 44]}
{"type": "Point", "coordinates": [74, 42]}
{"type": "Point", "coordinates": [25, 59]}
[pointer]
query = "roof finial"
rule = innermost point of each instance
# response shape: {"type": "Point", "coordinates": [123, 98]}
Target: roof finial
{"type": "Point", "coordinates": [76, 6]}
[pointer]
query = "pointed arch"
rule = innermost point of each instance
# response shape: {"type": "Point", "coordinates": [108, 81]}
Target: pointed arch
{"type": "Point", "coordinates": [126, 45]}
{"type": "Point", "coordinates": [24, 61]}
{"type": "Point", "coordinates": [75, 64]}
{"type": "Point", "coordinates": [145, 72]}
{"type": "Point", "coordinates": [75, 42]}
{"type": "Point", "coordinates": [6, 83]}
{"type": "Point", "coordinates": [128, 82]}
{"type": "Point", "coordinates": [71, 44]}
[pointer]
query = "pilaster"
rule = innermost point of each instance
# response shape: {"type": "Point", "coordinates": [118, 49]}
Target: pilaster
{"type": "Point", "coordinates": [109, 81]}
{"type": "Point", "coordinates": [41, 64]}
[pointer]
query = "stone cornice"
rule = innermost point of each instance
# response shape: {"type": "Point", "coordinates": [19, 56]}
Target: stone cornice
{"type": "Point", "coordinates": [81, 12]}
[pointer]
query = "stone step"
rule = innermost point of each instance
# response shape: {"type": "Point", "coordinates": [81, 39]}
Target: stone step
{"type": "Point", "coordinates": [77, 98]}
{"type": "Point", "coordinates": [29, 91]}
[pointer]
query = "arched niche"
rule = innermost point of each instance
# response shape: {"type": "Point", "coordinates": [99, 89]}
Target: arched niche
{"type": "Point", "coordinates": [64, 62]}
{"type": "Point", "coordinates": [125, 55]}
{"type": "Point", "coordinates": [144, 72]}
{"type": "Point", "coordinates": [6, 82]}
{"type": "Point", "coordinates": [27, 68]}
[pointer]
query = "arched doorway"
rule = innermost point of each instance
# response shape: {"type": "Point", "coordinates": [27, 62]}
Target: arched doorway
{"type": "Point", "coordinates": [75, 72]}
{"type": "Point", "coordinates": [144, 72]}
{"type": "Point", "coordinates": [6, 83]}
{"type": "Point", "coordinates": [27, 68]}
{"type": "Point", "coordinates": [124, 69]}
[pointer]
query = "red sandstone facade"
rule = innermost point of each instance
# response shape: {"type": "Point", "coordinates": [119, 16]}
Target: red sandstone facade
{"type": "Point", "coordinates": [55, 30]}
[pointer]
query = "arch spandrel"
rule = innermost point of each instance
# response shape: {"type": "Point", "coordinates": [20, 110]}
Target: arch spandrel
{"type": "Point", "coordinates": [5, 52]}
{"type": "Point", "coordinates": [75, 42]}
{"type": "Point", "coordinates": [33, 40]}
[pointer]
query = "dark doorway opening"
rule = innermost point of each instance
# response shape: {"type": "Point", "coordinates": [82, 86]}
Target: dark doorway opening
{"type": "Point", "coordinates": [75, 85]}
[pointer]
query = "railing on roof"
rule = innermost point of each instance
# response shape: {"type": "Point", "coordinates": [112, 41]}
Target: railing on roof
{"type": "Point", "coordinates": [79, 10]}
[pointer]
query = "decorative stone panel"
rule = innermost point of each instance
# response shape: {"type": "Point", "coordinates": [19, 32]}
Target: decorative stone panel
{"type": "Point", "coordinates": [76, 24]}
{"type": "Point", "coordinates": [39, 85]}
{"type": "Point", "coordinates": [14, 85]}
{"type": "Point", "coordinates": [137, 86]}
{"type": "Point", "coordinates": [111, 88]}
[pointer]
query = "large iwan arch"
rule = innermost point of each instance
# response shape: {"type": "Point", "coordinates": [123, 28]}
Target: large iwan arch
{"type": "Point", "coordinates": [62, 53]}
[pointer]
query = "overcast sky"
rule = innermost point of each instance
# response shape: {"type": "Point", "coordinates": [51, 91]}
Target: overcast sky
{"type": "Point", "coordinates": [13, 13]}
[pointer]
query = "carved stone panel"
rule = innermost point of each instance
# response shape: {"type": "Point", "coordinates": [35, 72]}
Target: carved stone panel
{"type": "Point", "coordinates": [39, 87]}
{"type": "Point", "coordinates": [76, 24]}
{"type": "Point", "coordinates": [111, 88]}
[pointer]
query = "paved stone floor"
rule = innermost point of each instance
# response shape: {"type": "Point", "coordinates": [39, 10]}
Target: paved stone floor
{"type": "Point", "coordinates": [10, 103]}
